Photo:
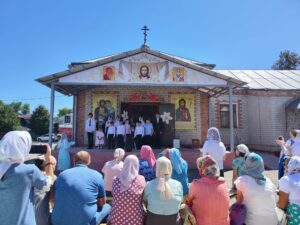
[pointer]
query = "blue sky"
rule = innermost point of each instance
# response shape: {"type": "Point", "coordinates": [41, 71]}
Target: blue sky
{"type": "Point", "coordinates": [38, 38]}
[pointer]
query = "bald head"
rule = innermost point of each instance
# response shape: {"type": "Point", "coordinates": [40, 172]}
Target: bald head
{"type": "Point", "coordinates": [83, 157]}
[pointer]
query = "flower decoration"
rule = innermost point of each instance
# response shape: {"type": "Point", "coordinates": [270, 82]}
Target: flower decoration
{"type": "Point", "coordinates": [124, 115]}
{"type": "Point", "coordinates": [166, 117]}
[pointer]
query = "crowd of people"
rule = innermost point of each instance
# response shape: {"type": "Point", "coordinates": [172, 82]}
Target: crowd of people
{"type": "Point", "coordinates": [149, 189]}
{"type": "Point", "coordinates": [124, 133]}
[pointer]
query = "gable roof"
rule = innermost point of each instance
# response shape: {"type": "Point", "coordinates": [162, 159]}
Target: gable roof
{"type": "Point", "coordinates": [81, 66]}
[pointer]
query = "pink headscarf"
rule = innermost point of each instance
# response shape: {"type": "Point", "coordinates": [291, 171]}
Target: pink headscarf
{"type": "Point", "coordinates": [147, 154]}
{"type": "Point", "coordinates": [129, 172]}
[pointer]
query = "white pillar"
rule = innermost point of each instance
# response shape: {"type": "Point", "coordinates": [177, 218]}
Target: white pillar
{"type": "Point", "coordinates": [231, 119]}
{"type": "Point", "coordinates": [51, 114]}
{"type": "Point", "coordinates": [74, 122]}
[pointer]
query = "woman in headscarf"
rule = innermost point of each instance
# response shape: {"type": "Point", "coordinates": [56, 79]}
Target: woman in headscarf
{"type": "Point", "coordinates": [163, 196]}
{"type": "Point", "coordinates": [208, 196]}
{"type": "Point", "coordinates": [127, 192]}
{"type": "Point", "coordinates": [63, 146]}
{"type": "Point", "coordinates": [289, 191]}
{"type": "Point", "coordinates": [214, 147]}
{"type": "Point", "coordinates": [112, 169]}
{"type": "Point", "coordinates": [147, 163]}
{"type": "Point", "coordinates": [238, 164]}
{"type": "Point", "coordinates": [257, 193]}
{"type": "Point", "coordinates": [17, 180]}
{"type": "Point", "coordinates": [180, 168]}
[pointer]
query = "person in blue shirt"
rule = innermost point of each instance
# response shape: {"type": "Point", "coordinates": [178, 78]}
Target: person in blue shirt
{"type": "Point", "coordinates": [18, 180]}
{"type": "Point", "coordinates": [80, 195]}
{"type": "Point", "coordinates": [148, 133]}
{"type": "Point", "coordinates": [180, 167]}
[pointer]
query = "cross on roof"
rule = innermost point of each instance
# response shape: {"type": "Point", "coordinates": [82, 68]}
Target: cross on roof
{"type": "Point", "coordinates": [145, 29]}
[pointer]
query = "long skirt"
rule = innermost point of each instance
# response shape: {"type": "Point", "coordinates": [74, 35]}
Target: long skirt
{"type": "Point", "coordinates": [152, 219]}
{"type": "Point", "coordinates": [293, 212]}
{"type": "Point", "coordinates": [64, 161]}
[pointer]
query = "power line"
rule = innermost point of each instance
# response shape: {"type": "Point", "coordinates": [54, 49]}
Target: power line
{"type": "Point", "coordinates": [30, 99]}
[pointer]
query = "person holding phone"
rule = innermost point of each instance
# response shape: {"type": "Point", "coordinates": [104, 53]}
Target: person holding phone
{"type": "Point", "coordinates": [18, 180]}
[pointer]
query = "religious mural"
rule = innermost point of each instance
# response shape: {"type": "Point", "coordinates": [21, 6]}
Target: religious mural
{"type": "Point", "coordinates": [142, 68]}
{"type": "Point", "coordinates": [108, 72]}
{"type": "Point", "coordinates": [178, 74]}
{"type": "Point", "coordinates": [104, 106]}
{"type": "Point", "coordinates": [184, 111]}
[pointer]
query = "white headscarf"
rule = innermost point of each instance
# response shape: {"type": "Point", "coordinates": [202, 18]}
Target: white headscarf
{"type": "Point", "coordinates": [243, 149]}
{"type": "Point", "coordinates": [119, 154]}
{"type": "Point", "coordinates": [213, 134]}
{"type": "Point", "coordinates": [163, 173]}
{"type": "Point", "coordinates": [294, 165]}
{"type": "Point", "coordinates": [129, 172]}
{"type": "Point", "coordinates": [14, 148]}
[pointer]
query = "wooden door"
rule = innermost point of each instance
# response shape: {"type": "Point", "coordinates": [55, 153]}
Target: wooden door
{"type": "Point", "coordinates": [169, 129]}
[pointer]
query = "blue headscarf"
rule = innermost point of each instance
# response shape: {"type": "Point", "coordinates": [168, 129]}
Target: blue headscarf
{"type": "Point", "coordinates": [254, 167]}
{"type": "Point", "coordinates": [176, 160]}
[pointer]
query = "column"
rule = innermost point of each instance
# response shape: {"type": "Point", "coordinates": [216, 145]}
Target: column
{"type": "Point", "coordinates": [51, 114]}
{"type": "Point", "coordinates": [231, 119]}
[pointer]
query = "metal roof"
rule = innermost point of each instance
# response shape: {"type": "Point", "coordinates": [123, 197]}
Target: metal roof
{"type": "Point", "coordinates": [266, 79]}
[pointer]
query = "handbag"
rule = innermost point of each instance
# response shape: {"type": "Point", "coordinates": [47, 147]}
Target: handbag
{"type": "Point", "coordinates": [237, 214]}
{"type": "Point", "coordinates": [186, 215]}
{"type": "Point", "coordinates": [282, 217]}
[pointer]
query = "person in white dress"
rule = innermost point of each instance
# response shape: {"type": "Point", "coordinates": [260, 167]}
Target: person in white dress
{"type": "Point", "coordinates": [99, 138]}
{"type": "Point", "coordinates": [214, 147]}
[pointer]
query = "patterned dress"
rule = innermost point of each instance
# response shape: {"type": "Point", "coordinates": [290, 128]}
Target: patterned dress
{"type": "Point", "coordinates": [127, 207]}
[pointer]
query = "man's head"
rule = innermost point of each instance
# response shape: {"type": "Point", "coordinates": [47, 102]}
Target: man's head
{"type": "Point", "coordinates": [157, 115]}
{"type": "Point", "coordinates": [90, 115]}
{"type": "Point", "coordinates": [182, 103]}
{"type": "Point", "coordinates": [293, 134]}
{"type": "Point", "coordinates": [108, 103]}
{"type": "Point", "coordinates": [83, 157]}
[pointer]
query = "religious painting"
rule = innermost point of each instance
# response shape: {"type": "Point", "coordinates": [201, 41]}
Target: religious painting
{"type": "Point", "coordinates": [178, 74]}
{"type": "Point", "coordinates": [184, 111]}
{"type": "Point", "coordinates": [144, 71]}
{"type": "Point", "coordinates": [104, 106]}
{"type": "Point", "coordinates": [108, 72]}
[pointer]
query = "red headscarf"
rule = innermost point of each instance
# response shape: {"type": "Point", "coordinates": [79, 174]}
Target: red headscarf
{"type": "Point", "coordinates": [147, 154]}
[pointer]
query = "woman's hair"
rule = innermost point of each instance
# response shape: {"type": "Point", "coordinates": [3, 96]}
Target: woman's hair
{"type": "Point", "coordinates": [207, 166]}
{"type": "Point", "coordinates": [294, 132]}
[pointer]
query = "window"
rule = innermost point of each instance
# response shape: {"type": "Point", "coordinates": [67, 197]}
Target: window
{"type": "Point", "coordinates": [224, 116]}
{"type": "Point", "coordinates": [67, 119]}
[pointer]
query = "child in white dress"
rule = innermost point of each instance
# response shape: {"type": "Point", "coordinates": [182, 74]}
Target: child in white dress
{"type": "Point", "coordinates": [99, 138]}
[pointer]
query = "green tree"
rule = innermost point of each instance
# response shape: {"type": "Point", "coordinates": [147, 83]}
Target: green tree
{"type": "Point", "coordinates": [39, 122]}
{"type": "Point", "coordinates": [9, 119]}
{"type": "Point", "coordinates": [64, 111]}
{"type": "Point", "coordinates": [17, 106]}
{"type": "Point", "coordinates": [25, 109]}
{"type": "Point", "coordinates": [287, 61]}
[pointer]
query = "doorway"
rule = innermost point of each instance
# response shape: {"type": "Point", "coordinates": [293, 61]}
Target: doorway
{"type": "Point", "coordinates": [148, 111]}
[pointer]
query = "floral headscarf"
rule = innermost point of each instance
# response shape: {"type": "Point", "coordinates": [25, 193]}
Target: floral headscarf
{"type": "Point", "coordinates": [213, 134]}
{"type": "Point", "coordinates": [176, 160]}
{"type": "Point", "coordinates": [294, 165]}
{"type": "Point", "coordinates": [254, 167]}
{"type": "Point", "coordinates": [147, 154]}
{"type": "Point", "coordinates": [207, 166]}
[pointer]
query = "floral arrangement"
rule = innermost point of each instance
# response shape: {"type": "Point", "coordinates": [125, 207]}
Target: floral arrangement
{"type": "Point", "coordinates": [166, 117]}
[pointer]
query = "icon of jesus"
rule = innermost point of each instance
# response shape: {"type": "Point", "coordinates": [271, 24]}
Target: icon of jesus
{"type": "Point", "coordinates": [108, 73]}
{"type": "Point", "coordinates": [144, 72]}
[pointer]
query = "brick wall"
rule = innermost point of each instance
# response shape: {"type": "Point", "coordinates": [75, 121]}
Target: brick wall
{"type": "Point", "coordinates": [262, 117]}
{"type": "Point", "coordinates": [163, 94]}
{"type": "Point", "coordinates": [80, 119]}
